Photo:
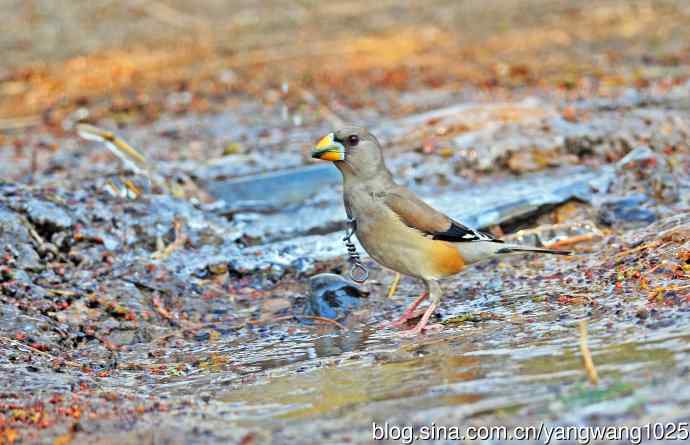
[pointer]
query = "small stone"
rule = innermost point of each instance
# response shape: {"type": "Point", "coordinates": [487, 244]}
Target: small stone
{"type": "Point", "coordinates": [332, 296]}
{"type": "Point", "coordinates": [627, 211]}
{"type": "Point", "coordinates": [48, 215]}
{"type": "Point", "coordinates": [202, 336]}
{"type": "Point", "coordinates": [15, 240]}
{"type": "Point", "coordinates": [218, 268]}
{"type": "Point", "coordinates": [639, 154]}
{"type": "Point", "coordinates": [122, 337]}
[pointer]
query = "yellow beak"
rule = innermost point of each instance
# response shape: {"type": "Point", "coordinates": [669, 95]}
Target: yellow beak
{"type": "Point", "coordinates": [329, 149]}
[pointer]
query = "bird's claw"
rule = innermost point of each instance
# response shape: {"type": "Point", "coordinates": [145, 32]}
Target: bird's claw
{"type": "Point", "coordinates": [401, 321]}
{"type": "Point", "coordinates": [394, 324]}
{"type": "Point", "coordinates": [417, 330]}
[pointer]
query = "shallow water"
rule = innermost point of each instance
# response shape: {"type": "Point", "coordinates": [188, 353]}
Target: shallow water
{"type": "Point", "coordinates": [525, 368]}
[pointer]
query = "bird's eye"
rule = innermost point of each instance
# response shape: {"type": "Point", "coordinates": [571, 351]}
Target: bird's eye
{"type": "Point", "coordinates": [352, 140]}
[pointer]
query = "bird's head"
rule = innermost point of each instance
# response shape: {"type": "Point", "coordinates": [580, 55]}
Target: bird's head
{"type": "Point", "coordinates": [353, 150]}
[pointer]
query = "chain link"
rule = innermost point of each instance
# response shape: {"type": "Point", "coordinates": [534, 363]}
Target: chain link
{"type": "Point", "coordinates": [358, 272]}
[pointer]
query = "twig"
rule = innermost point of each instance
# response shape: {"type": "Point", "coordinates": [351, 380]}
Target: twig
{"type": "Point", "coordinates": [34, 165]}
{"type": "Point", "coordinates": [292, 317]}
{"type": "Point", "coordinates": [51, 357]}
{"type": "Point", "coordinates": [570, 241]}
{"type": "Point", "coordinates": [151, 365]}
{"type": "Point", "coordinates": [394, 286]}
{"type": "Point", "coordinates": [324, 320]}
{"type": "Point", "coordinates": [165, 337]}
{"type": "Point", "coordinates": [62, 292]}
{"type": "Point", "coordinates": [587, 354]}
{"type": "Point", "coordinates": [132, 158]}
{"type": "Point", "coordinates": [638, 248]}
{"type": "Point", "coordinates": [34, 234]}
{"type": "Point", "coordinates": [129, 155]}
{"type": "Point", "coordinates": [42, 353]}
{"type": "Point", "coordinates": [158, 305]}
{"type": "Point", "coordinates": [180, 239]}
{"type": "Point", "coordinates": [171, 317]}
{"type": "Point", "coordinates": [670, 288]}
{"type": "Point", "coordinates": [653, 269]}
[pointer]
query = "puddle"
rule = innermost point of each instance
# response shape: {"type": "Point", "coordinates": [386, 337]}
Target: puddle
{"type": "Point", "coordinates": [488, 372]}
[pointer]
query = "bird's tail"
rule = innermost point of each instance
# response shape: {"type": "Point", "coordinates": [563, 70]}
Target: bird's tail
{"type": "Point", "coordinates": [512, 248]}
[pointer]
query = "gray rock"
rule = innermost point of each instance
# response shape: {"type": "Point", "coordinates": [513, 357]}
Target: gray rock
{"type": "Point", "coordinates": [16, 241]}
{"type": "Point", "coordinates": [627, 211]}
{"type": "Point", "coordinates": [49, 216]}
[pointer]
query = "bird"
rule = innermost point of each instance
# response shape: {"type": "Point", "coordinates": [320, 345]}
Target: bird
{"type": "Point", "coordinates": [398, 229]}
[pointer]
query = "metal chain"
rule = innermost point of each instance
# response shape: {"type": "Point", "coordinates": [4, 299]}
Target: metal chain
{"type": "Point", "coordinates": [358, 273]}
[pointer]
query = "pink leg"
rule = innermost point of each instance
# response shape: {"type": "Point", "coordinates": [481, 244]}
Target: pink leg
{"type": "Point", "coordinates": [424, 322]}
{"type": "Point", "coordinates": [435, 292]}
{"type": "Point", "coordinates": [409, 312]}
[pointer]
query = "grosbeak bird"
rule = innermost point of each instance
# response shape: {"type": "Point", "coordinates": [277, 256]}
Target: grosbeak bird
{"type": "Point", "coordinates": [399, 230]}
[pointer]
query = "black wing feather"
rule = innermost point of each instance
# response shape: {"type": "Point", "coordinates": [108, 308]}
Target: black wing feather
{"type": "Point", "coordinates": [459, 233]}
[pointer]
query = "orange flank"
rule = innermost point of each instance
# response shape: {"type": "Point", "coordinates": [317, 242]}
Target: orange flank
{"type": "Point", "coordinates": [446, 258]}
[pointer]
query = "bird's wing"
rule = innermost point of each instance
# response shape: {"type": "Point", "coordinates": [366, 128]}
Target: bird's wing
{"type": "Point", "coordinates": [419, 215]}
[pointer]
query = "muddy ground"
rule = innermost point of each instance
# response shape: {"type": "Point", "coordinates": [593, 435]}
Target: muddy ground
{"type": "Point", "coordinates": [173, 300]}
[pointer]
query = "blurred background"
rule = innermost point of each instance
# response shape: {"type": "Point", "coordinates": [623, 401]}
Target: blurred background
{"type": "Point", "coordinates": [56, 54]}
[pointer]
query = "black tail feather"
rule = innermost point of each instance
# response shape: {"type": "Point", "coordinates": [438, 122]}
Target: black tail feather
{"type": "Point", "coordinates": [533, 250]}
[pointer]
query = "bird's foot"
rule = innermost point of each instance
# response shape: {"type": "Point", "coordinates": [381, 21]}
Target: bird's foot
{"type": "Point", "coordinates": [417, 330]}
{"type": "Point", "coordinates": [393, 324]}
{"type": "Point", "coordinates": [401, 321]}
{"type": "Point", "coordinates": [408, 314]}
{"type": "Point", "coordinates": [424, 322]}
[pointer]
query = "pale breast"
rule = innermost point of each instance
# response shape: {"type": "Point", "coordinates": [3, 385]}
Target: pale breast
{"type": "Point", "coordinates": [398, 247]}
